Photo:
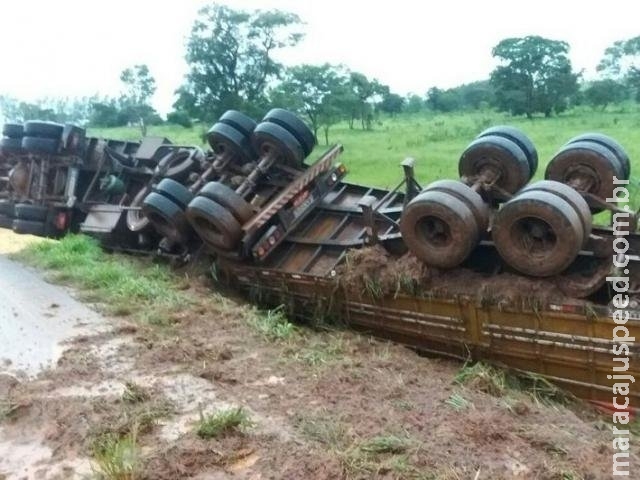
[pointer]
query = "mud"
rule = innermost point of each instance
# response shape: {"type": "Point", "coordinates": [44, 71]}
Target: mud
{"type": "Point", "coordinates": [374, 271]}
{"type": "Point", "coordinates": [316, 401]}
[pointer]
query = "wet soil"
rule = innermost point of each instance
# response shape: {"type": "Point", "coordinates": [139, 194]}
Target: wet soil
{"type": "Point", "coordinates": [324, 404]}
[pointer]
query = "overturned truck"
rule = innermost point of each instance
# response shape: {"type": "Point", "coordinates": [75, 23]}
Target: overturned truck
{"type": "Point", "coordinates": [485, 266]}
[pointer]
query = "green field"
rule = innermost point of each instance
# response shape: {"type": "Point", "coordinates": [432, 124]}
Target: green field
{"type": "Point", "coordinates": [436, 141]}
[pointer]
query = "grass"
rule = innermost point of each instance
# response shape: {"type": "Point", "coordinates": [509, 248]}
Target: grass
{"type": "Point", "coordinates": [222, 422]}
{"type": "Point", "coordinates": [500, 383]}
{"type": "Point", "coordinates": [134, 393]}
{"type": "Point", "coordinates": [273, 324]}
{"type": "Point", "coordinates": [437, 140]}
{"type": "Point", "coordinates": [117, 458]}
{"type": "Point", "coordinates": [121, 285]}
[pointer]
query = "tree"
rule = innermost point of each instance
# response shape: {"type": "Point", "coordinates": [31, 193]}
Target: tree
{"type": "Point", "coordinates": [535, 75]}
{"type": "Point", "coordinates": [135, 102]}
{"type": "Point", "coordinates": [362, 93]}
{"type": "Point", "coordinates": [601, 93]}
{"type": "Point", "coordinates": [414, 103]}
{"type": "Point", "coordinates": [621, 62]}
{"type": "Point", "coordinates": [314, 90]}
{"type": "Point", "coordinates": [230, 57]}
{"type": "Point", "coordinates": [392, 103]}
{"type": "Point", "coordinates": [440, 100]}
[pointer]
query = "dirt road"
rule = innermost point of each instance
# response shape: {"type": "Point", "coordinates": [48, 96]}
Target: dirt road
{"type": "Point", "coordinates": [322, 405]}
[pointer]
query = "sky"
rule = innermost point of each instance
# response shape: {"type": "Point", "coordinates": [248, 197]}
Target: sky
{"type": "Point", "coordinates": [73, 48]}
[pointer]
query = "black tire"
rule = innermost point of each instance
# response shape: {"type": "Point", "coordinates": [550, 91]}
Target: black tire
{"type": "Point", "coordinates": [498, 153]}
{"type": "Point", "coordinates": [29, 227]}
{"type": "Point", "coordinates": [610, 143]}
{"type": "Point", "coordinates": [177, 164]}
{"type": "Point", "coordinates": [214, 224]}
{"type": "Point", "coordinates": [520, 138]}
{"type": "Point", "coordinates": [166, 217]}
{"type": "Point", "coordinates": [49, 130]}
{"type": "Point", "coordinates": [272, 139]}
{"type": "Point", "coordinates": [13, 130]}
{"type": "Point", "coordinates": [136, 219]}
{"type": "Point", "coordinates": [41, 145]}
{"type": "Point", "coordinates": [590, 161]}
{"type": "Point", "coordinates": [174, 191]}
{"type": "Point", "coordinates": [25, 211]}
{"type": "Point", "coordinates": [295, 126]}
{"type": "Point", "coordinates": [470, 197]}
{"type": "Point", "coordinates": [538, 233]}
{"type": "Point", "coordinates": [229, 199]}
{"type": "Point", "coordinates": [570, 195]}
{"type": "Point", "coordinates": [227, 140]}
{"type": "Point", "coordinates": [6, 221]}
{"type": "Point", "coordinates": [7, 208]}
{"type": "Point", "coordinates": [11, 144]}
{"type": "Point", "coordinates": [439, 229]}
{"type": "Point", "coordinates": [238, 120]}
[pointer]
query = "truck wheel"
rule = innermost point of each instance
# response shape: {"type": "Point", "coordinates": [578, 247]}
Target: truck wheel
{"type": "Point", "coordinates": [464, 193]}
{"type": "Point", "coordinates": [570, 195]}
{"type": "Point", "coordinates": [588, 167]}
{"type": "Point", "coordinates": [214, 224]}
{"type": "Point", "coordinates": [538, 233]}
{"type": "Point", "coordinates": [295, 126]}
{"type": "Point", "coordinates": [225, 139]}
{"type": "Point", "coordinates": [238, 120]}
{"type": "Point", "coordinates": [272, 139]}
{"type": "Point", "coordinates": [40, 145]}
{"type": "Point", "coordinates": [136, 220]}
{"type": "Point", "coordinates": [25, 211]}
{"type": "Point", "coordinates": [9, 144]}
{"type": "Point", "coordinates": [607, 142]}
{"type": "Point", "coordinates": [13, 130]}
{"type": "Point", "coordinates": [6, 221]}
{"type": "Point", "coordinates": [520, 138]}
{"type": "Point", "coordinates": [439, 229]}
{"type": "Point", "coordinates": [29, 227]}
{"type": "Point", "coordinates": [229, 199]}
{"type": "Point", "coordinates": [7, 208]}
{"type": "Point", "coordinates": [49, 130]}
{"type": "Point", "coordinates": [174, 191]}
{"type": "Point", "coordinates": [500, 155]}
{"type": "Point", "coordinates": [167, 217]}
{"type": "Point", "coordinates": [177, 165]}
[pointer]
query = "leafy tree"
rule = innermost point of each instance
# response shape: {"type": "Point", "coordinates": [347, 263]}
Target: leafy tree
{"type": "Point", "coordinates": [317, 91]}
{"type": "Point", "coordinates": [107, 113]}
{"type": "Point", "coordinates": [135, 102]}
{"type": "Point", "coordinates": [72, 110]}
{"type": "Point", "coordinates": [181, 118]}
{"type": "Point", "coordinates": [230, 57]}
{"type": "Point", "coordinates": [440, 100]}
{"type": "Point", "coordinates": [392, 103]}
{"type": "Point", "coordinates": [362, 92]}
{"type": "Point", "coordinates": [414, 103]}
{"type": "Point", "coordinates": [601, 93]}
{"type": "Point", "coordinates": [621, 61]}
{"type": "Point", "coordinates": [535, 75]}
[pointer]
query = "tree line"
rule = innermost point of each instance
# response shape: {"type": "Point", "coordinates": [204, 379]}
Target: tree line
{"type": "Point", "coordinates": [231, 65]}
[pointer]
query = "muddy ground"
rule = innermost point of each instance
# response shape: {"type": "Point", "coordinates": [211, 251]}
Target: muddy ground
{"type": "Point", "coordinates": [323, 405]}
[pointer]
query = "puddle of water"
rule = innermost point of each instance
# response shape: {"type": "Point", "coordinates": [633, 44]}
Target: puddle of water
{"type": "Point", "coordinates": [35, 318]}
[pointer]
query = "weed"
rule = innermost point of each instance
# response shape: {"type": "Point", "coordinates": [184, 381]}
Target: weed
{"type": "Point", "coordinates": [483, 377]}
{"type": "Point", "coordinates": [324, 429]}
{"type": "Point", "coordinates": [458, 402]}
{"type": "Point", "coordinates": [134, 393]}
{"type": "Point", "coordinates": [116, 458]}
{"type": "Point", "coordinates": [223, 422]}
{"type": "Point", "coordinates": [273, 324]}
{"type": "Point", "coordinates": [385, 444]}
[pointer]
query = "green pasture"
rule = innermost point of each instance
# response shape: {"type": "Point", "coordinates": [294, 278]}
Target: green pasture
{"type": "Point", "coordinates": [437, 140]}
